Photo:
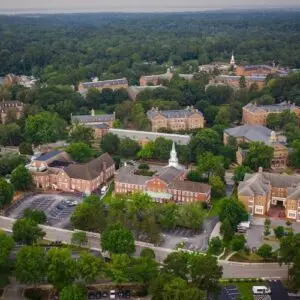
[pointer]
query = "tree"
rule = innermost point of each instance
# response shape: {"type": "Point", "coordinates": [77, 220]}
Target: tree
{"type": "Point", "coordinates": [89, 267]}
{"type": "Point", "coordinates": [37, 216]}
{"type": "Point", "coordinates": [10, 134]}
{"type": "Point", "coordinates": [191, 215]}
{"type": "Point", "coordinates": [81, 134]}
{"type": "Point", "coordinates": [227, 230]}
{"type": "Point", "coordinates": [138, 117]}
{"type": "Point", "coordinates": [224, 116]}
{"type": "Point", "coordinates": [279, 232]}
{"type": "Point", "coordinates": [218, 186]}
{"type": "Point", "coordinates": [238, 242]}
{"type": "Point", "coordinates": [61, 268]}
{"type": "Point", "coordinates": [234, 211]}
{"type": "Point", "coordinates": [177, 264]}
{"type": "Point", "coordinates": [242, 82]}
{"type": "Point", "coordinates": [79, 238]}
{"type": "Point", "coordinates": [265, 251]}
{"type": "Point", "coordinates": [25, 148]}
{"type": "Point", "coordinates": [110, 143]}
{"type": "Point", "coordinates": [148, 252]}
{"type": "Point", "coordinates": [259, 155]}
{"type": "Point", "coordinates": [147, 151]}
{"type": "Point", "coordinates": [215, 246]}
{"type": "Point", "coordinates": [6, 245]}
{"type": "Point", "coordinates": [118, 270]}
{"type": "Point", "coordinates": [6, 192]}
{"type": "Point", "coordinates": [44, 127]}
{"type": "Point", "coordinates": [267, 224]}
{"type": "Point", "coordinates": [143, 270]}
{"type": "Point", "coordinates": [162, 148]}
{"type": "Point", "coordinates": [10, 161]}
{"type": "Point", "coordinates": [73, 292]}
{"type": "Point", "coordinates": [295, 155]}
{"type": "Point", "coordinates": [31, 265]}
{"type": "Point", "coordinates": [26, 231]}
{"type": "Point", "coordinates": [205, 272]}
{"type": "Point", "coordinates": [80, 152]}
{"type": "Point", "coordinates": [178, 289]}
{"type": "Point", "coordinates": [240, 172]}
{"type": "Point", "coordinates": [209, 164]}
{"type": "Point", "coordinates": [168, 215]}
{"type": "Point", "coordinates": [129, 148]}
{"type": "Point", "coordinates": [89, 215]}
{"type": "Point", "coordinates": [117, 239]}
{"type": "Point", "coordinates": [21, 178]}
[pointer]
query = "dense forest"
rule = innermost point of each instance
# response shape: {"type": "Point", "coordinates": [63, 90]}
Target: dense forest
{"type": "Point", "coordinates": [64, 49]}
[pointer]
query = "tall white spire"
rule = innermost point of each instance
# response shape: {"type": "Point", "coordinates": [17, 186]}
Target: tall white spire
{"type": "Point", "coordinates": [173, 161]}
{"type": "Point", "coordinates": [232, 61]}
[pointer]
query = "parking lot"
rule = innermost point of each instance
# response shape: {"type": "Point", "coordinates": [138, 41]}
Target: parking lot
{"type": "Point", "coordinates": [56, 207]}
{"type": "Point", "coordinates": [190, 239]}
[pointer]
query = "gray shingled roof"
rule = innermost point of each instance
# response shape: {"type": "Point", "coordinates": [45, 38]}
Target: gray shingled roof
{"type": "Point", "coordinates": [126, 175]}
{"type": "Point", "coordinates": [254, 133]}
{"type": "Point", "coordinates": [273, 108]}
{"type": "Point", "coordinates": [48, 155]}
{"type": "Point", "coordinates": [259, 183]}
{"type": "Point", "coordinates": [104, 83]}
{"type": "Point", "coordinates": [169, 174]}
{"type": "Point", "coordinates": [236, 78]}
{"type": "Point", "coordinates": [151, 136]}
{"type": "Point", "coordinates": [170, 114]}
{"type": "Point", "coordinates": [134, 90]}
{"type": "Point", "coordinates": [93, 119]}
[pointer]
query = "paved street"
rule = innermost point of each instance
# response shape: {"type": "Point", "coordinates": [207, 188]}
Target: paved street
{"type": "Point", "coordinates": [230, 269]}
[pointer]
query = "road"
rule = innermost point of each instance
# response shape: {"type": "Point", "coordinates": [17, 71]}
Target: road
{"type": "Point", "coordinates": [230, 269]}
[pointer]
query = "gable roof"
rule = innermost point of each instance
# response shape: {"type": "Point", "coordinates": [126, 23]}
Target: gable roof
{"type": "Point", "coordinates": [190, 186]}
{"type": "Point", "coordinates": [170, 114]}
{"type": "Point", "coordinates": [104, 83]}
{"type": "Point", "coordinates": [90, 170]}
{"type": "Point", "coordinates": [272, 108]}
{"type": "Point", "coordinates": [93, 119]}
{"type": "Point", "coordinates": [169, 174]}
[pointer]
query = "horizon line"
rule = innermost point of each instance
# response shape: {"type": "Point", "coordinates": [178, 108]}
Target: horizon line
{"type": "Point", "coordinates": [173, 9]}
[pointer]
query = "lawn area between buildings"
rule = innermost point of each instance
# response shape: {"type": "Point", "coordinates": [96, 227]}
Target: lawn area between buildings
{"type": "Point", "coordinates": [99, 112]}
{"type": "Point", "coordinates": [109, 192]}
{"type": "Point", "coordinates": [242, 256]}
{"type": "Point", "coordinates": [244, 286]}
{"type": "Point", "coordinates": [216, 207]}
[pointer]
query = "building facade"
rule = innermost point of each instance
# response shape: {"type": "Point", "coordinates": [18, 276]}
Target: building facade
{"type": "Point", "coordinates": [134, 90]}
{"type": "Point", "coordinates": [259, 133]}
{"type": "Point", "coordinates": [169, 184]}
{"type": "Point", "coordinates": [262, 191]}
{"type": "Point", "coordinates": [13, 108]}
{"type": "Point", "coordinates": [56, 171]}
{"type": "Point", "coordinates": [260, 70]}
{"type": "Point", "coordinates": [176, 120]}
{"type": "Point", "coordinates": [257, 114]}
{"type": "Point", "coordinates": [234, 81]}
{"type": "Point", "coordinates": [114, 84]}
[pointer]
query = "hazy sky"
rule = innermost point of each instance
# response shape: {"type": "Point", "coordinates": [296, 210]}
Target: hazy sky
{"type": "Point", "coordinates": [136, 5]}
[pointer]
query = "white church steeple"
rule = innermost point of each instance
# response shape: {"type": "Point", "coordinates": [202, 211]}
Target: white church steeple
{"type": "Point", "coordinates": [173, 161]}
{"type": "Point", "coordinates": [232, 61]}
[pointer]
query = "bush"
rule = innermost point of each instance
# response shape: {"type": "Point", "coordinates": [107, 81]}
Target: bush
{"type": "Point", "coordinates": [238, 242]}
{"type": "Point", "coordinates": [215, 246]}
{"type": "Point", "coordinates": [144, 166]}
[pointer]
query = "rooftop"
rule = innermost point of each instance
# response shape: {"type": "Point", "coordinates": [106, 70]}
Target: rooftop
{"type": "Point", "coordinates": [104, 83]}
{"type": "Point", "coordinates": [48, 155]}
{"type": "Point", "coordinates": [182, 113]}
{"type": "Point", "coordinates": [93, 119]}
{"type": "Point", "coordinates": [273, 108]}
{"type": "Point", "coordinates": [151, 136]}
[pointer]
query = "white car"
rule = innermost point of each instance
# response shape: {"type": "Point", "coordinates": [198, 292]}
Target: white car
{"type": "Point", "coordinates": [112, 294]}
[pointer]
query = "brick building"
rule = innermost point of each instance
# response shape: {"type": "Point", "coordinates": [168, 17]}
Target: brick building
{"type": "Point", "coordinates": [55, 170]}
{"type": "Point", "coordinates": [234, 81]}
{"type": "Point", "coordinates": [259, 133]}
{"type": "Point", "coordinates": [134, 90]}
{"type": "Point", "coordinates": [15, 108]}
{"type": "Point", "coordinates": [257, 114]}
{"type": "Point", "coordinates": [263, 192]}
{"type": "Point", "coordinates": [176, 120]}
{"type": "Point", "coordinates": [168, 184]}
{"type": "Point", "coordinates": [99, 123]}
{"type": "Point", "coordinates": [114, 84]}
{"type": "Point", "coordinates": [260, 70]}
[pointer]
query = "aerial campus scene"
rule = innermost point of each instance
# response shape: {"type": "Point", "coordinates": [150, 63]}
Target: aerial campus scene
{"type": "Point", "coordinates": [150, 150]}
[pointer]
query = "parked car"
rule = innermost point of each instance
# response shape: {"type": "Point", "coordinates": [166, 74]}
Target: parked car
{"type": "Point", "coordinates": [112, 294]}
{"type": "Point", "coordinates": [98, 295]}
{"type": "Point", "coordinates": [104, 294]}
{"type": "Point", "coordinates": [91, 295]}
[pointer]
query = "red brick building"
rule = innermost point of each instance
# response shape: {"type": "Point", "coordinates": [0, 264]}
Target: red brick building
{"type": "Point", "coordinates": [168, 184]}
{"type": "Point", "coordinates": [55, 170]}
{"type": "Point", "coordinates": [15, 108]}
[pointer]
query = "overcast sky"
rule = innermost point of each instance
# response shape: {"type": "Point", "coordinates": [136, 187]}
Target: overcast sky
{"type": "Point", "coordinates": [140, 5]}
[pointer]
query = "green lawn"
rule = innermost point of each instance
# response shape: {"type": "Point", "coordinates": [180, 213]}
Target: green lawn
{"type": "Point", "coordinates": [241, 256]}
{"type": "Point", "coordinates": [244, 287]}
{"type": "Point", "coordinates": [215, 210]}
{"type": "Point", "coordinates": [109, 193]}
{"type": "Point", "coordinates": [99, 112]}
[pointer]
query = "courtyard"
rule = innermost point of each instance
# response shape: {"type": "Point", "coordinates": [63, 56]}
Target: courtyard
{"type": "Point", "coordinates": [55, 206]}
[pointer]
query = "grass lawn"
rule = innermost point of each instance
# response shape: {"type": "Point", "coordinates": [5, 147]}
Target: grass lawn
{"type": "Point", "coordinates": [109, 192]}
{"type": "Point", "coordinates": [244, 257]}
{"type": "Point", "coordinates": [216, 207]}
{"type": "Point", "coordinates": [99, 112]}
{"type": "Point", "coordinates": [244, 287]}
{"type": "Point", "coordinates": [226, 253]}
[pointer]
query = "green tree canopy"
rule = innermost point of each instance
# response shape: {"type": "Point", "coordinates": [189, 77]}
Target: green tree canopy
{"type": "Point", "coordinates": [129, 148]}
{"type": "Point", "coordinates": [73, 292]}
{"type": "Point", "coordinates": [27, 231]}
{"type": "Point", "coordinates": [31, 265]}
{"type": "Point", "coordinates": [81, 134]}
{"type": "Point", "coordinates": [6, 245]}
{"type": "Point", "coordinates": [6, 192]}
{"type": "Point", "coordinates": [110, 143]}
{"type": "Point", "coordinates": [80, 152]}
{"type": "Point", "coordinates": [21, 178]}
{"type": "Point", "coordinates": [265, 251]}
{"type": "Point", "coordinates": [36, 215]}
